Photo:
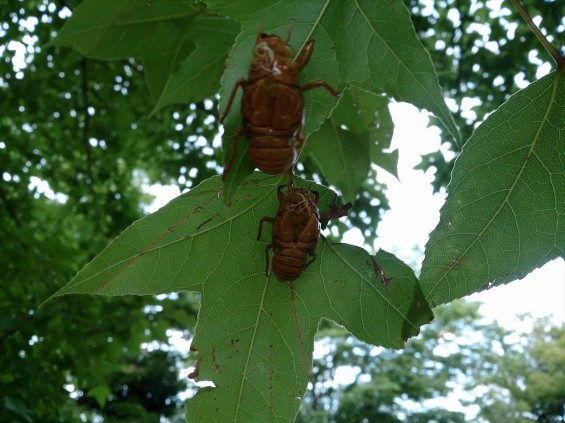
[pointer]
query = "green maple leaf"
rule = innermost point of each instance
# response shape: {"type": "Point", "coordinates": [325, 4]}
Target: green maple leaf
{"type": "Point", "coordinates": [363, 43]}
{"type": "Point", "coordinates": [355, 134]}
{"type": "Point", "coordinates": [182, 47]}
{"type": "Point", "coordinates": [254, 336]}
{"type": "Point", "coordinates": [505, 212]}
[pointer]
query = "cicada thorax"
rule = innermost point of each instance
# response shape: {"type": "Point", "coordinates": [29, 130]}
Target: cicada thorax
{"type": "Point", "coordinates": [272, 106]}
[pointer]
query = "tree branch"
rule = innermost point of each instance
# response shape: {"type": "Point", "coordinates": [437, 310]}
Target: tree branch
{"type": "Point", "coordinates": [560, 60]}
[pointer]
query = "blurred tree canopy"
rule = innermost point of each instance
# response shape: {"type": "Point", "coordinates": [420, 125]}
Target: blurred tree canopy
{"type": "Point", "coordinates": [76, 150]}
{"type": "Point", "coordinates": [507, 375]}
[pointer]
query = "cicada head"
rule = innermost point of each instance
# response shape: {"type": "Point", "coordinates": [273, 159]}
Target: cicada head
{"type": "Point", "coordinates": [272, 56]}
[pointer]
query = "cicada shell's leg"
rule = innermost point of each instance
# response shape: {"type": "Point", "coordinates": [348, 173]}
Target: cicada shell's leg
{"type": "Point", "coordinates": [259, 30]}
{"type": "Point", "coordinates": [311, 231]}
{"type": "Point", "coordinates": [320, 83]}
{"type": "Point", "coordinates": [289, 178]}
{"type": "Point", "coordinates": [290, 28]}
{"type": "Point", "coordinates": [267, 248]}
{"type": "Point", "coordinates": [316, 196]}
{"type": "Point", "coordinates": [240, 83]}
{"type": "Point", "coordinates": [232, 154]}
{"type": "Point", "coordinates": [264, 219]}
{"type": "Point", "coordinates": [304, 56]}
{"type": "Point", "coordinates": [299, 140]}
{"type": "Point", "coordinates": [314, 256]}
{"type": "Point", "coordinates": [335, 212]}
{"type": "Point", "coordinates": [280, 193]}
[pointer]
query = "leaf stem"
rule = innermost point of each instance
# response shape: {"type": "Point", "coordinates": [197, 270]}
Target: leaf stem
{"type": "Point", "coordinates": [560, 60]}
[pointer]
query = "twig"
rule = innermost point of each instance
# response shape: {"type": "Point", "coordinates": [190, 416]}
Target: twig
{"type": "Point", "coordinates": [560, 60]}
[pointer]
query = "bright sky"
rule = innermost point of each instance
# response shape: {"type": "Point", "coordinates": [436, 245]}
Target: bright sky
{"type": "Point", "coordinates": [415, 212]}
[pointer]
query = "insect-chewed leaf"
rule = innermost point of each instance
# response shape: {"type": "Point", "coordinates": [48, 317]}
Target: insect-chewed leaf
{"type": "Point", "coordinates": [505, 211]}
{"type": "Point", "coordinates": [255, 335]}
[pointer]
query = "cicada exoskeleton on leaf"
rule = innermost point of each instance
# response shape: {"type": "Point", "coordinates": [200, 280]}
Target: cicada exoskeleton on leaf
{"type": "Point", "coordinates": [296, 230]}
{"type": "Point", "coordinates": [272, 106]}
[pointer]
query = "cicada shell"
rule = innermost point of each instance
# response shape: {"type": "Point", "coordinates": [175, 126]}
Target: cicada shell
{"type": "Point", "coordinates": [272, 106]}
{"type": "Point", "coordinates": [296, 230]}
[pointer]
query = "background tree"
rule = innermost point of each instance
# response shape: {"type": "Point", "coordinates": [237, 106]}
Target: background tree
{"type": "Point", "coordinates": [60, 128]}
{"type": "Point", "coordinates": [80, 125]}
{"type": "Point", "coordinates": [512, 375]}
{"type": "Point", "coordinates": [526, 382]}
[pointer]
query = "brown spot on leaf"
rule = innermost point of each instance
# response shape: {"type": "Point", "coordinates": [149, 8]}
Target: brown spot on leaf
{"type": "Point", "coordinates": [379, 271]}
{"type": "Point", "coordinates": [455, 263]}
{"type": "Point", "coordinates": [203, 223]}
{"type": "Point", "coordinates": [245, 197]}
{"type": "Point", "coordinates": [217, 367]}
{"type": "Point", "coordinates": [194, 374]}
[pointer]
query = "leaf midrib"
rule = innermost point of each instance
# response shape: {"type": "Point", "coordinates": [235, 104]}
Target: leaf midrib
{"type": "Point", "coordinates": [248, 358]}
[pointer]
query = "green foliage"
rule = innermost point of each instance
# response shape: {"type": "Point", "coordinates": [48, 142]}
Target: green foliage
{"type": "Point", "coordinates": [141, 389]}
{"type": "Point", "coordinates": [386, 379]}
{"type": "Point", "coordinates": [482, 56]}
{"type": "Point", "coordinates": [515, 193]}
{"type": "Point", "coordinates": [74, 124]}
{"type": "Point", "coordinates": [356, 134]}
{"type": "Point", "coordinates": [252, 328]}
{"type": "Point", "coordinates": [526, 383]}
{"type": "Point", "coordinates": [458, 350]}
